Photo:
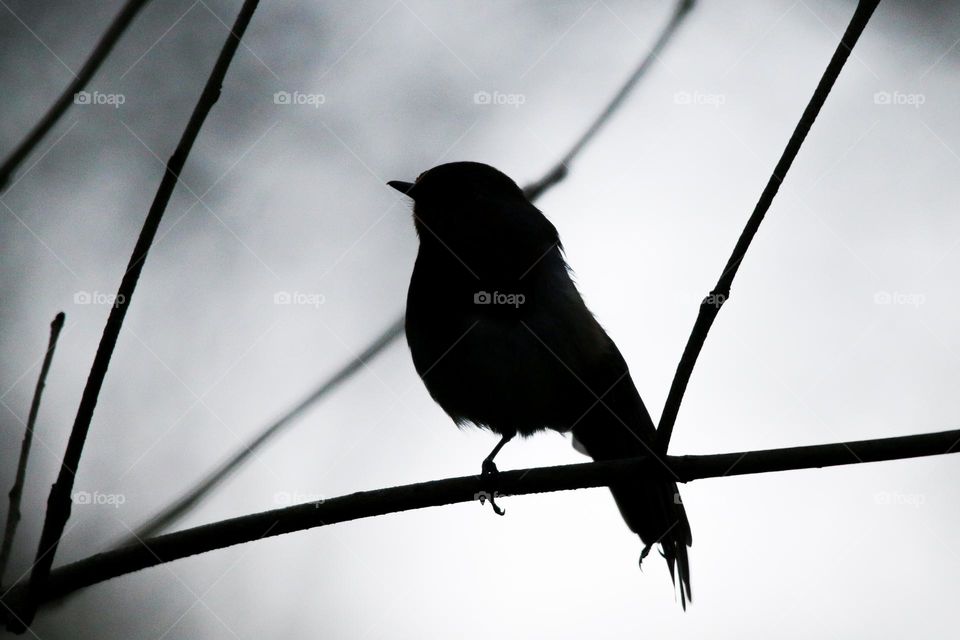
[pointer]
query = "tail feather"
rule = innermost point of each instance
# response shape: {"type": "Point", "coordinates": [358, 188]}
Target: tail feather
{"type": "Point", "coordinates": [652, 508]}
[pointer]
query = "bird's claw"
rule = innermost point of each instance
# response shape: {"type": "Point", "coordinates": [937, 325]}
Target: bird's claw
{"type": "Point", "coordinates": [489, 469]}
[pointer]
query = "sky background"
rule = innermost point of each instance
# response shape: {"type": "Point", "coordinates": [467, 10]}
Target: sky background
{"type": "Point", "coordinates": [842, 324]}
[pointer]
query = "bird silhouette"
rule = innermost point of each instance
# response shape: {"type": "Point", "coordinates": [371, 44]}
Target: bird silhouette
{"type": "Point", "coordinates": [502, 339]}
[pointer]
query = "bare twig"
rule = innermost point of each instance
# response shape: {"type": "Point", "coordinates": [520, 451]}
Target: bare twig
{"type": "Point", "coordinates": [366, 504]}
{"type": "Point", "coordinates": [710, 306]}
{"type": "Point", "coordinates": [173, 512]}
{"type": "Point", "coordinates": [97, 56]}
{"type": "Point", "coordinates": [16, 492]}
{"type": "Point", "coordinates": [182, 505]}
{"type": "Point", "coordinates": [59, 502]}
{"type": "Point", "coordinates": [559, 172]}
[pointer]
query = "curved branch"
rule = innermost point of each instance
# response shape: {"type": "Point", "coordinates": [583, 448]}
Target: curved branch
{"type": "Point", "coordinates": [97, 56]}
{"type": "Point", "coordinates": [59, 501]}
{"type": "Point", "coordinates": [710, 306]}
{"type": "Point", "coordinates": [366, 504]}
{"type": "Point", "coordinates": [193, 496]}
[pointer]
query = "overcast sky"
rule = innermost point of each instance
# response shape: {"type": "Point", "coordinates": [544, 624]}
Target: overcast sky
{"type": "Point", "coordinates": [842, 323]}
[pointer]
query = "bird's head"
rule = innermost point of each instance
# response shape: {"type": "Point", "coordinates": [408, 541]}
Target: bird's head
{"type": "Point", "coordinates": [470, 207]}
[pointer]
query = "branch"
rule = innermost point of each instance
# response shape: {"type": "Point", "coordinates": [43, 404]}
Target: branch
{"type": "Point", "coordinates": [99, 54]}
{"type": "Point", "coordinates": [59, 502]}
{"type": "Point", "coordinates": [192, 497]}
{"type": "Point", "coordinates": [366, 504]}
{"type": "Point", "coordinates": [16, 492]}
{"type": "Point", "coordinates": [178, 508]}
{"type": "Point", "coordinates": [559, 172]}
{"type": "Point", "coordinates": [710, 306]}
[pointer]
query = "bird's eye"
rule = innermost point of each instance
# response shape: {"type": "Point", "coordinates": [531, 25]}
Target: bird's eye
{"type": "Point", "coordinates": [419, 177]}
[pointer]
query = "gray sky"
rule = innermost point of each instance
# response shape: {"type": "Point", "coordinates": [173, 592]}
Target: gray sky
{"type": "Point", "coordinates": [841, 326]}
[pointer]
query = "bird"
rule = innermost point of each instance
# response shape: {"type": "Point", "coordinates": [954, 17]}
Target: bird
{"type": "Point", "coordinates": [503, 341]}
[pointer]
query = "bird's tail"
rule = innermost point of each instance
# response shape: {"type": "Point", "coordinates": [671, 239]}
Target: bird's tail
{"type": "Point", "coordinates": [652, 508]}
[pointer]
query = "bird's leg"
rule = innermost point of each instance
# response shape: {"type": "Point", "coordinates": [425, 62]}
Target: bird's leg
{"type": "Point", "coordinates": [489, 469]}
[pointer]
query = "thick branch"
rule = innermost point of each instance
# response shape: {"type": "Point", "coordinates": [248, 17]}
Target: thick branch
{"type": "Point", "coordinates": [97, 56]}
{"type": "Point", "coordinates": [59, 502]}
{"type": "Point", "coordinates": [366, 504]}
{"type": "Point", "coordinates": [710, 306]}
{"type": "Point", "coordinates": [16, 492]}
{"type": "Point", "coordinates": [193, 496]}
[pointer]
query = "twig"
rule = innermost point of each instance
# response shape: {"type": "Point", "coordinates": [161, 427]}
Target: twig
{"type": "Point", "coordinates": [182, 505]}
{"type": "Point", "coordinates": [559, 172]}
{"type": "Point", "coordinates": [366, 504]}
{"type": "Point", "coordinates": [16, 492]}
{"type": "Point", "coordinates": [59, 502]}
{"type": "Point", "coordinates": [97, 56]}
{"type": "Point", "coordinates": [710, 306]}
{"type": "Point", "coordinates": [173, 512]}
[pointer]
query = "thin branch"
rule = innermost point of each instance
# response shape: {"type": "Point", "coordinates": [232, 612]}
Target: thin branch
{"type": "Point", "coordinates": [559, 172]}
{"type": "Point", "coordinates": [16, 492]}
{"type": "Point", "coordinates": [366, 504]}
{"type": "Point", "coordinates": [97, 56]}
{"type": "Point", "coordinates": [177, 509]}
{"type": "Point", "coordinates": [191, 498]}
{"type": "Point", "coordinates": [59, 502]}
{"type": "Point", "coordinates": [710, 306]}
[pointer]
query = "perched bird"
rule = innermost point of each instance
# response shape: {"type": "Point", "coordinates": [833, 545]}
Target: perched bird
{"type": "Point", "coordinates": [503, 340]}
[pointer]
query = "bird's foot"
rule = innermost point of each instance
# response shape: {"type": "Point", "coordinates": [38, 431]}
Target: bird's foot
{"type": "Point", "coordinates": [489, 470]}
{"type": "Point", "coordinates": [643, 554]}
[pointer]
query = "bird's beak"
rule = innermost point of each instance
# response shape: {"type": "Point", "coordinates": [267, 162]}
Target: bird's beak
{"type": "Point", "coordinates": [402, 187]}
